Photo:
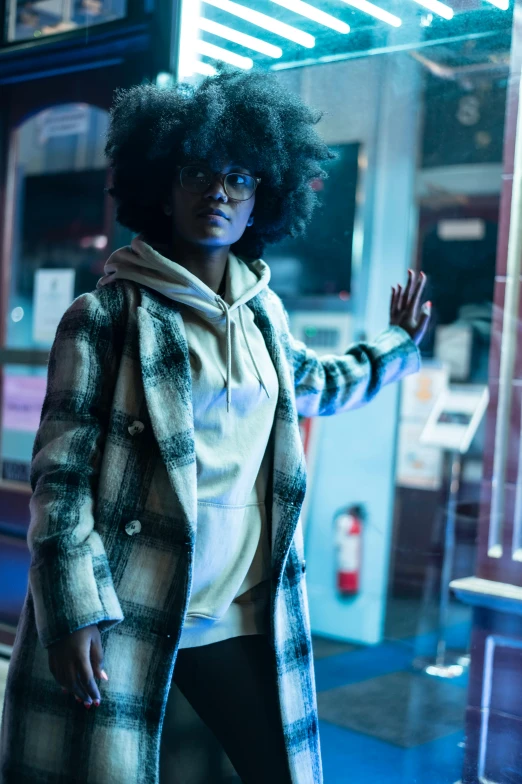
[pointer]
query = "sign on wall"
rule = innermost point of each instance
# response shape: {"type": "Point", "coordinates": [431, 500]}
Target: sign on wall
{"type": "Point", "coordinates": [53, 293]}
{"type": "Point", "coordinates": [419, 465]}
{"type": "Point", "coordinates": [23, 398]}
{"type": "Point", "coordinates": [68, 120]}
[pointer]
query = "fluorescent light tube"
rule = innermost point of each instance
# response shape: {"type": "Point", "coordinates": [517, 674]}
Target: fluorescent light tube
{"type": "Point", "coordinates": [264, 21]}
{"type": "Point", "coordinates": [205, 69]}
{"type": "Point", "coordinates": [437, 7]}
{"type": "Point", "coordinates": [190, 12]}
{"type": "Point", "coordinates": [218, 53]}
{"type": "Point", "coordinates": [502, 4]}
{"type": "Point", "coordinates": [311, 12]}
{"type": "Point", "coordinates": [240, 38]}
{"type": "Point", "coordinates": [374, 10]}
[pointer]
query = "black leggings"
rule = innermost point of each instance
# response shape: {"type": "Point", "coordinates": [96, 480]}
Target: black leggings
{"type": "Point", "coordinates": [232, 687]}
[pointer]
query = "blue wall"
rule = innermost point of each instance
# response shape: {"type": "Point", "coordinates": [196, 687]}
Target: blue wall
{"type": "Point", "coordinates": [356, 454]}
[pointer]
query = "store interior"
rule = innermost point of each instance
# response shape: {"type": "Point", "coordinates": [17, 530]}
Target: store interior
{"type": "Point", "coordinates": [417, 114]}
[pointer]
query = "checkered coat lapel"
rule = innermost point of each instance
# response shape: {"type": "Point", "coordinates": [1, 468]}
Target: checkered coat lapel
{"type": "Point", "coordinates": [113, 517]}
{"type": "Point", "coordinates": [290, 624]}
{"type": "Point", "coordinates": [167, 383]}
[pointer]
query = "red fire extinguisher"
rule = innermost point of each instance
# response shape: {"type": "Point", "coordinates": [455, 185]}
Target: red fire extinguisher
{"type": "Point", "coordinates": [348, 542]}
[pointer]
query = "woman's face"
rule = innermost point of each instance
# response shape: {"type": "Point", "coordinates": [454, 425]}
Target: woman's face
{"type": "Point", "coordinates": [211, 218]}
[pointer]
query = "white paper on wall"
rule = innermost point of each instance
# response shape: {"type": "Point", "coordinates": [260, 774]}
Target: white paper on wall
{"type": "Point", "coordinates": [53, 293]}
{"type": "Point", "coordinates": [418, 465]}
{"type": "Point", "coordinates": [421, 390]}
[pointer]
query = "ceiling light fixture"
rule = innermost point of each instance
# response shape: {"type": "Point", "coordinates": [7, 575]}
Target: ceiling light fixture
{"type": "Point", "coordinates": [190, 13]}
{"type": "Point", "coordinates": [205, 69]}
{"type": "Point", "coordinates": [441, 9]}
{"type": "Point", "coordinates": [374, 10]}
{"type": "Point", "coordinates": [240, 38]}
{"type": "Point", "coordinates": [502, 4]}
{"type": "Point", "coordinates": [264, 21]}
{"type": "Point", "coordinates": [218, 53]}
{"type": "Point", "coordinates": [313, 13]}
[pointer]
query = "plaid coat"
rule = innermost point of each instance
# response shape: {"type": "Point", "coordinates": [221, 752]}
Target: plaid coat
{"type": "Point", "coordinates": [113, 520]}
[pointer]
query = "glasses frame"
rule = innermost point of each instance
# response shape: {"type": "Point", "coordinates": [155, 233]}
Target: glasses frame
{"type": "Point", "coordinates": [222, 179]}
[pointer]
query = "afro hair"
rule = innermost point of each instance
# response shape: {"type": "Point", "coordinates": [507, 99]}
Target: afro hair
{"type": "Point", "coordinates": [246, 117]}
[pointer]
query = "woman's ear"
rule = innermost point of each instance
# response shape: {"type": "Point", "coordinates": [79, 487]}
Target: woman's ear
{"type": "Point", "coordinates": [250, 221]}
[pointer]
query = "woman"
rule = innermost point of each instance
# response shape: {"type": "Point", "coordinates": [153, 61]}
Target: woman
{"type": "Point", "coordinates": [168, 473]}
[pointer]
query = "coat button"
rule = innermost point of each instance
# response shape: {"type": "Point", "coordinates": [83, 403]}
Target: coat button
{"type": "Point", "coordinates": [136, 428]}
{"type": "Point", "coordinates": [134, 527]}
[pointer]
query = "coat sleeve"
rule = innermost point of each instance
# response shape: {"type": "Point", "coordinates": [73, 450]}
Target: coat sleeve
{"type": "Point", "coordinates": [333, 384]}
{"type": "Point", "coordinates": [69, 577]}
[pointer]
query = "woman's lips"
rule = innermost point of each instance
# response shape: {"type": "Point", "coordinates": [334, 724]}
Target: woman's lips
{"type": "Point", "coordinates": [213, 214]}
{"type": "Point", "coordinates": [212, 218]}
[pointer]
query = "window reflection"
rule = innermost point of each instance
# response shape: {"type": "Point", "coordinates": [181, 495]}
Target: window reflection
{"type": "Point", "coordinates": [60, 243]}
{"type": "Point", "coordinates": [424, 102]}
{"type": "Point", "coordinates": [38, 18]}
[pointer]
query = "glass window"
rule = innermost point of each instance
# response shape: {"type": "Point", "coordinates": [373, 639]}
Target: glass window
{"type": "Point", "coordinates": [282, 34]}
{"type": "Point", "coordinates": [58, 249]}
{"type": "Point", "coordinates": [414, 95]}
{"type": "Point", "coordinates": [29, 19]}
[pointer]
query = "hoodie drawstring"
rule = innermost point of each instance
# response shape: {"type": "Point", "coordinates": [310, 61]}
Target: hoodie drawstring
{"type": "Point", "coordinates": [260, 377]}
{"type": "Point", "coordinates": [226, 310]}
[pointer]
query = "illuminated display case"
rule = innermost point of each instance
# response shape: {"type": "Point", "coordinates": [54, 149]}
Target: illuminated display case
{"type": "Point", "coordinates": [282, 34]}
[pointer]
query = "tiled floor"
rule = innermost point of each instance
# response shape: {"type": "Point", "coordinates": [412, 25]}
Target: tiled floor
{"type": "Point", "coordinates": [406, 709]}
{"type": "Point", "coordinates": [381, 720]}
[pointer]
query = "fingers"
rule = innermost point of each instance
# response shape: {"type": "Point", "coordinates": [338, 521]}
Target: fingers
{"type": "Point", "coordinates": [393, 304]}
{"type": "Point", "coordinates": [400, 297]}
{"type": "Point", "coordinates": [416, 296]}
{"type": "Point", "coordinates": [57, 675]}
{"type": "Point", "coordinates": [69, 679]}
{"type": "Point", "coordinates": [76, 667]}
{"type": "Point", "coordinates": [407, 290]}
{"type": "Point", "coordinates": [87, 682]}
{"type": "Point", "coordinates": [80, 693]}
{"type": "Point", "coordinates": [97, 657]}
{"type": "Point", "coordinates": [423, 322]}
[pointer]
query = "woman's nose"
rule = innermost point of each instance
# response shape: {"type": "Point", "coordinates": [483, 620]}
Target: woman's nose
{"type": "Point", "coordinates": [216, 190]}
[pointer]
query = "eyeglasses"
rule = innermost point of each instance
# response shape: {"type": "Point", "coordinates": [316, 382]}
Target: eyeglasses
{"type": "Point", "coordinates": [237, 186]}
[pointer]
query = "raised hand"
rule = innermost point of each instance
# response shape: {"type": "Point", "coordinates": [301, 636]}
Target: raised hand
{"type": "Point", "coordinates": [406, 310]}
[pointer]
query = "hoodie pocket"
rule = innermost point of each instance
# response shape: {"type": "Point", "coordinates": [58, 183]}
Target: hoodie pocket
{"type": "Point", "coordinates": [231, 556]}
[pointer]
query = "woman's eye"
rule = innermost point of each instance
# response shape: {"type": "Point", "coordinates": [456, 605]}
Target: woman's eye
{"type": "Point", "coordinates": [197, 174]}
{"type": "Point", "coordinates": [237, 179]}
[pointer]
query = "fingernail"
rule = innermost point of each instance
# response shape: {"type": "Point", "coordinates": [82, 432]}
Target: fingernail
{"type": "Point", "coordinates": [87, 705]}
{"type": "Point", "coordinates": [428, 304]}
{"type": "Point", "coordinates": [64, 690]}
{"type": "Point", "coordinates": [104, 675]}
{"type": "Point", "coordinates": [410, 272]}
{"type": "Point", "coordinates": [77, 699]}
{"type": "Point", "coordinates": [97, 703]}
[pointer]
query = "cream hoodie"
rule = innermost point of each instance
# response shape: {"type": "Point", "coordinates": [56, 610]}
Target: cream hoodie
{"type": "Point", "coordinates": [234, 391]}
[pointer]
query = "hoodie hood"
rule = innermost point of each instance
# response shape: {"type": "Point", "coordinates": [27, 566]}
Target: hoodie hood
{"type": "Point", "coordinates": [146, 266]}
